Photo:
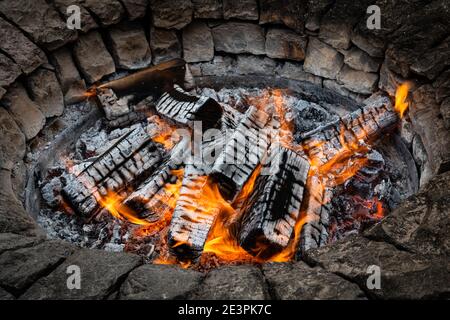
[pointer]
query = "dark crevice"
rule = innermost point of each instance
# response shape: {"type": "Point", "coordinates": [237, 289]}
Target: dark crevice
{"type": "Point", "coordinates": [28, 245]}
{"type": "Point", "coordinates": [9, 57]}
{"type": "Point", "coordinates": [272, 295]}
{"type": "Point", "coordinates": [115, 288]}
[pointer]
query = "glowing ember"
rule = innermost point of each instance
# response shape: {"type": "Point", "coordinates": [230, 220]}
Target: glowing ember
{"type": "Point", "coordinates": [401, 95]}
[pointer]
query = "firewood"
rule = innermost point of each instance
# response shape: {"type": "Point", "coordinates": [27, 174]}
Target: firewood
{"type": "Point", "coordinates": [272, 210]}
{"type": "Point", "coordinates": [185, 108]}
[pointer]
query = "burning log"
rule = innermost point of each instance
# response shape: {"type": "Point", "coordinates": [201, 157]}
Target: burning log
{"type": "Point", "coordinates": [272, 210]}
{"type": "Point", "coordinates": [194, 215]}
{"type": "Point", "coordinates": [185, 108]}
{"type": "Point", "coordinates": [242, 153]}
{"type": "Point", "coordinates": [155, 79]}
{"type": "Point", "coordinates": [128, 162]}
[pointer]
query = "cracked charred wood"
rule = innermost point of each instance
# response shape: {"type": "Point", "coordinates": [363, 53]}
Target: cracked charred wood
{"type": "Point", "coordinates": [272, 210]}
{"type": "Point", "coordinates": [194, 215]}
{"type": "Point", "coordinates": [184, 108]}
{"type": "Point", "coordinates": [341, 138]}
{"type": "Point", "coordinates": [127, 163]}
{"type": "Point", "coordinates": [156, 79]}
{"type": "Point", "coordinates": [242, 153]}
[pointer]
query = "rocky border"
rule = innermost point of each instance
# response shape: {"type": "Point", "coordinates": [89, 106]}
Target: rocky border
{"type": "Point", "coordinates": [43, 66]}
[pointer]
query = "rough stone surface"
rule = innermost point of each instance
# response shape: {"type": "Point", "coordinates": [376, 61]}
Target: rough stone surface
{"type": "Point", "coordinates": [129, 46]}
{"type": "Point", "coordinates": [389, 81]}
{"type": "Point", "coordinates": [198, 43]}
{"type": "Point", "coordinates": [336, 87]}
{"type": "Point", "coordinates": [255, 65]}
{"type": "Point", "coordinates": [297, 281]}
{"type": "Point", "coordinates": [71, 83]}
{"type": "Point", "coordinates": [19, 180]}
{"type": "Point", "coordinates": [174, 14]}
{"type": "Point", "coordinates": [40, 20]}
{"type": "Point", "coordinates": [12, 139]}
{"type": "Point", "coordinates": [24, 111]}
{"type": "Point", "coordinates": [243, 282]}
{"type": "Point", "coordinates": [92, 57]}
{"type": "Point", "coordinates": [207, 9]}
{"type": "Point", "coordinates": [445, 111]}
{"type": "Point", "coordinates": [244, 9]}
{"type": "Point", "coordinates": [368, 43]}
{"type": "Point", "coordinates": [295, 71]}
{"type": "Point", "coordinates": [109, 12]}
{"type": "Point", "coordinates": [219, 65]}
{"type": "Point", "coordinates": [422, 222]}
{"type": "Point", "coordinates": [239, 37]}
{"type": "Point", "coordinates": [428, 122]}
{"type": "Point", "coordinates": [159, 282]}
{"type": "Point", "coordinates": [434, 61]}
{"type": "Point", "coordinates": [285, 44]}
{"type": "Point", "coordinates": [359, 60]}
{"type": "Point", "coordinates": [5, 295]}
{"type": "Point", "coordinates": [404, 275]}
{"type": "Point", "coordinates": [46, 92]}
{"type": "Point", "coordinates": [13, 217]}
{"type": "Point", "coordinates": [337, 36]}
{"type": "Point", "coordinates": [357, 81]}
{"type": "Point", "coordinates": [11, 241]}
{"type": "Point", "coordinates": [24, 52]}
{"type": "Point", "coordinates": [164, 45]}
{"type": "Point", "coordinates": [102, 272]}
{"type": "Point", "coordinates": [322, 60]}
{"type": "Point", "coordinates": [291, 13]}
{"type": "Point", "coordinates": [135, 8]}
{"type": "Point", "coordinates": [22, 267]}
{"type": "Point", "coordinates": [9, 71]}
{"type": "Point", "coordinates": [442, 86]}
{"type": "Point", "coordinates": [87, 22]}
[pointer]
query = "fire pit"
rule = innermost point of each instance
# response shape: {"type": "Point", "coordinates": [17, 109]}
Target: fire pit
{"type": "Point", "coordinates": [229, 146]}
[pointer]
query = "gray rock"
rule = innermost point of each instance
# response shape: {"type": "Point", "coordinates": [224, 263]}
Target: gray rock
{"type": "Point", "coordinates": [359, 60]}
{"type": "Point", "coordinates": [9, 71]}
{"type": "Point", "coordinates": [285, 44]}
{"type": "Point", "coordinates": [336, 87]}
{"type": "Point", "coordinates": [368, 43]}
{"type": "Point", "coordinates": [129, 46]}
{"type": "Point", "coordinates": [174, 14]}
{"type": "Point", "coordinates": [108, 11]}
{"type": "Point", "coordinates": [403, 275]}
{"type": "Point", "coordinates": [72, 85]}
{"type": "Point", "coordinates": [445, 111]}
{"type": "Point", "coordinates": [46, 92]}
{"type": "Point", "coordinates": [5, 295]}
{"type": "Point", "coordinates": [19, 180]}
{"type": "Point", "coordinates": [87, 22]}
{"type": "Point", "coordinates": [220, 65]}
{"type": "Point", "coordinates": [428, 123]}
{"type": "Point", "coordinates": [207, 9]}
{"type": "Point", "coordinates": [255, 65]}
{"type": "Point", "coordinates": [336, 35]}
{"type": "Point", "coordinates": [422, 222]}
{"type": "Point", "coordinates": [434, 61]}
{"type": "Point", "coordinates": [297, 281]}
{"type": "Point", "coordinates": [357, 81]}
{"type": "Point", "coordinates": [243, 282]}
{"type": "Point", "coordinates": [295, 71]}
{"type": "Point", "coordinates": [442, 86]}
{"type": "Point", "coordinates": [13, 217]}
{"type": "Point", "coordinates": [92, 57]}
{"type": "Point", "coordinates": [164, 45]}
{"type": "Point", "coordinates": [418, 151]}
{"type": "Point", "coordinates": [22, 267]}
{"type": "Point", "coordinates": [17, 46]}
{"type": "Point", "coordinates": [239, 37]}
{"type": "Point", "coordinates": [101, 273]}
{"type": "Point", "coordinates": [406, 132]}
{"type": "Point", "coordinates": [389, 81]}
{"type": "Point", "coordinates": [292, 13]}
{"type": "Point", "coordinates": [159, 282]}
{"type": "Point", "coordinates": [40, 20]}
{"type": "Point", "coordinates": [322, 60]}
{"type": "Point", "coordinates": [11, 241]}
{"type": "Point", "coordinates": [24, 111]}
{"type": "Point", "coordinates": [198, 43]}
{"type": "Point", "coordinates": [244, 9]}
{"type": "Point", "coordinates": [135, 8]}
{"type": "Point", "coordinates": [12, 139]}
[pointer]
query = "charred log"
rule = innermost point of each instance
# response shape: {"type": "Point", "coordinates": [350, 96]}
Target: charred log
{"type": "Point", "coordinates": [273, 208]}
{"type": "Point", "coordinates": [184, 108]}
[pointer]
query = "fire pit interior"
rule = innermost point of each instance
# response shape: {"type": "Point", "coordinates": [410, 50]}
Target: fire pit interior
{"type": "Point", "coordinates": [217, 137]}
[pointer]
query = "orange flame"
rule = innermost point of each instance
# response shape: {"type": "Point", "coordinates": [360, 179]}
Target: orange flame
{"type": "Point", "coordinates": [401, 95]}
{"type": "Point", "coordinates": [114, 204]}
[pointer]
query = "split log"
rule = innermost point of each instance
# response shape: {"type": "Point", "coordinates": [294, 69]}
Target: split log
{"type": "Point", "coordinates": [152, 80]}
{"type": "Point", "coordinates": [273, 208]}
{"type": "Point", "coordinates": [242, 153]}
{"type": "Point", "coordinates": [127, 163]}
{"type": "Point", "coordinates": [185, 108]}
{"type": "Point", "coordinates": [194, 215]}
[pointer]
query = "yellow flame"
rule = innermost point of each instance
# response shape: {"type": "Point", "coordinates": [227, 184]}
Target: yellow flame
{"type": "Point", "coordinates": [401, 94]}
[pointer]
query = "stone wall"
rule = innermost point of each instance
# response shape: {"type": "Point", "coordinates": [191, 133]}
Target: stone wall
{"type": "Point", "coordinates": [45, 67]}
